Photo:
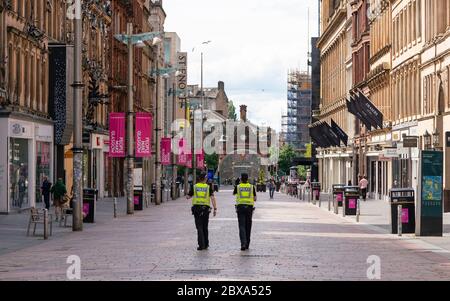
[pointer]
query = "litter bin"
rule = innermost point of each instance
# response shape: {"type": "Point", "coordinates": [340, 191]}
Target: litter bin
{"type": "Point", "coordinates": [89, 205]}
{"type": "Point", "coordinates": [138, 196]}
{"type": "Point", "coordinates": [406, 198]}
{"type": "Point", "coordinates": [351, 196]}
{"type": "Point", "coordinates": [315, 191]}
{"type": "Point", "coordinates": [338, 193]}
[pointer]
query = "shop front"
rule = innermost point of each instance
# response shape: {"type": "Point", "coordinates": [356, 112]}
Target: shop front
{"type": "Point", "coordinates": [95, 164]}
{"type": "Point", "coordinates": [26, 153]}
{"type": "Point", "coordinates": [405, 167]}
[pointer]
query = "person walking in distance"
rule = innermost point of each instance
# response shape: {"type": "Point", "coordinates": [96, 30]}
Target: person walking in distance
{"type": "Point", "coordinates": [363, 183]}
{"type": "Point", "coordinates": [45, 189]}
{"type": "Point", "coordinates": [245, 204]}
{"type": "Point", "coordinates": [202, 196]}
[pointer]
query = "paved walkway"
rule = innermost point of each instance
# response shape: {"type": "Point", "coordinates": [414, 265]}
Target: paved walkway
{"type": "Point", "coordinates": [291, 240]}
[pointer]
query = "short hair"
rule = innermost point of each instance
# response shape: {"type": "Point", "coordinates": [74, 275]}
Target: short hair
{"type": "Point", "coordinates": [244, 177]}
{"type": "Point", "coordinates": [202, 177]}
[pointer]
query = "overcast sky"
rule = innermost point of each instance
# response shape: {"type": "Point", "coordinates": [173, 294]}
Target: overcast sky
{"type": "Point", "coordinates": [254, 43]}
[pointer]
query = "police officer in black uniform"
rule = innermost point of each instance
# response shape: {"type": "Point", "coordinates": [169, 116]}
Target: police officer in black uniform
{"type": "Point", "coordinates": [202, 195]}
{"type": "Point", "coordinates": [245, 205]}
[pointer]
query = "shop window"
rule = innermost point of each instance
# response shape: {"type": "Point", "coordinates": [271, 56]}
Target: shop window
{"type": "Point", "coordinates": [18, 173]}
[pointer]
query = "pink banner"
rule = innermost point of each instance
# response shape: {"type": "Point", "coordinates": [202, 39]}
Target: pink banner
{"type": "Point", "coordinates": [200, 158]}
{"type": "Point", "coordinates": [166, 150]}
{"type": "Point", "coordinates": [143, 135]}
{"type": "Point", "coordinates": [182, 156]}
{"type": "Point", "coordinates": [189, 160]}
{"type": "Point", "coordinates": [117, 135]}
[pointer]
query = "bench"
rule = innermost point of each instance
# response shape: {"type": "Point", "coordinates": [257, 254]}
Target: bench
{"type": "Point", "coordinates": [37, 217]}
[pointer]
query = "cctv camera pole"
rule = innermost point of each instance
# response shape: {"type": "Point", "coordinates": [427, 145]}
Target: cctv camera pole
{"type": "Point", "coordinates": [77, 149]}
{"type": "Point", "coordinates": [130, 131]}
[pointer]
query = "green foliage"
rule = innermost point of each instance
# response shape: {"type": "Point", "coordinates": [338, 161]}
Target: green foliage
{"type": "Point", "coordinates": [302, 172]}
{"type": "Point", "coordinates": [262, 176]}
{"type": "Point", "coordinates": [287, 155]}
{"type": "Point", "coordinates": [212, 161]}
{"type": "Point", "coordinates": [232, 111]}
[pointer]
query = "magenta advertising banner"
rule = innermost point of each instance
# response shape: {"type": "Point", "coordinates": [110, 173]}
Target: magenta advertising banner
{"type": "Point", "coordinates": [166, 150]}
{"type": "Point", "coordinates": [189, 160]}
{"type": "Point", "coordinates": [143, 135]}
{"type": "Point", "coordinates": [182, 156]}
{"type": "Point", "coordinates": [200, 158]}
{"type": "Point", "coordinates": [117, 135]}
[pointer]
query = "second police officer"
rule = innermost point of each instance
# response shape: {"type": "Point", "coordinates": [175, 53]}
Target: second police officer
{"type": "Point", "coordinates": [202, 195]}
{"type": "Point", "coordinates": [245, 205]}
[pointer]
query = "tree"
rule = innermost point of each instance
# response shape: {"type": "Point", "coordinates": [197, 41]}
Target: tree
{"type": "Point", "coordinates": [232, 111]}
{"type": "Point", "coordinates": [287, 155]}
{"type": "Point", "coordinates": [212, 161]}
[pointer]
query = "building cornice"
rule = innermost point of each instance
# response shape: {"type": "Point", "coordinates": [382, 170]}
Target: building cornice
{"type": "Point", "coordinates": [338, 18]}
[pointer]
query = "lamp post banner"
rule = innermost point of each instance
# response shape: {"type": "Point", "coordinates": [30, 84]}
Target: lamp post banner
{"type": "Point", "coordinates": [182, 155]}
{"type": "Point", "coordinates": [117, 135]}
{"type": "Point", "coordinates": [143, 135]}
{"type": "Point", "coordinates": [200, 158]}
{"type": "Point", "coordinates": [189, 160]}
{"type": "Point", "coordinates": [166, 150]}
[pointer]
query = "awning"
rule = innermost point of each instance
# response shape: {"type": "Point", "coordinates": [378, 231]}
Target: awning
{"type": "Point", "coordinates": [372, 110]}
{"type": "Point", "coordinates": [360, 106]}
{"type": "Point", "coordinates": [323, 135]}
{"type": "Point", "coordinates": [339, 132]}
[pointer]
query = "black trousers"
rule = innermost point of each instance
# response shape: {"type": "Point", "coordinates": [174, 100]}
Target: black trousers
{"type": "Point", "coordinates": [271, 192]}
{"type": "Point", "coordinates": [245, 214]}
{"type": "Point", "coordinates": [201, 215]}
{"type": "Point", "coordinates": [47, 201]}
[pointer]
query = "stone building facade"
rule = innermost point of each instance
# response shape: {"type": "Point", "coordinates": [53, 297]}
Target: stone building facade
{"type": "Point", "coordinates": [26, 129]}
{"type": "Point", "coordinates": [335, 163]}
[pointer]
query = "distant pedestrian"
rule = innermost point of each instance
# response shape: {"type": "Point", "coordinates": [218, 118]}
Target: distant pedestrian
{"type": "Point", "coordinates": [59, 197]}
{"type": "Point", "coordinates": [363, 184]}
{"type": "Point", "coordinates": [22, 190]}
{"type": "Point", "coordinates": [349, 183]}
{"type": "Point", "coordinates": [245, 205]}
{"type": "Point", "coordinates": [45, 189]}
{"type": "Point", "coordinates": [271, 188]}
{"type": "Point", "coordinates": [202, 195]}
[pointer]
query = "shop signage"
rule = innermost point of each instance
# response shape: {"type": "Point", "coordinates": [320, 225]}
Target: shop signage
{"type": "Point", "coordinates": [410, 141]}
{"type": "Point", "coordinates": [20, 129]}
{"type": "Point", "coordinates": [447, 139]}
{"type": "Point", "coordinates": [44, 133]}
{"type": "Point", "coordinates": [166, 149]}
{"type": "Point", "coordinates": [117, 135]}
{"type": "Point", "coordinates": [143, 135]}
{"type": "Point", "coordinates": [390, 153]}
{"type": "Point", "coordinates": [431, 196]}
{"type": "Point", "coordinates": [97, 141]}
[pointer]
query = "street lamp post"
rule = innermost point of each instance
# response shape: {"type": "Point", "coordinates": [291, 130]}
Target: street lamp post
{"type": "Point", "coordinates": [130, 40]}
{"type": "Point", "coordinates": [77, 224]}
{"type": "Point", "coordinates": [130, 119]}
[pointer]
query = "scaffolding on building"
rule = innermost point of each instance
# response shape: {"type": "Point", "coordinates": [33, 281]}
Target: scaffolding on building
{"type": "Point", "coordinates": [295, 122]}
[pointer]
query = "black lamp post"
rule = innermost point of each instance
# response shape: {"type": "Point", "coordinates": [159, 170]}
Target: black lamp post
{"type": "Point", "coordinates": [436, 138]}
{"type": "Point", "coordinates": [427, 140]}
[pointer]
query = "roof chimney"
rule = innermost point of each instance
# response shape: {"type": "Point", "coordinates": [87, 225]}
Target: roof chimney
{"type": "Point", "coordinates": [221, 86]}
{"type": "Point", "coordinates": [243, 113]}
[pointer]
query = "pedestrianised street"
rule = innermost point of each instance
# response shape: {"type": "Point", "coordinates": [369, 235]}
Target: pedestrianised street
{"type": "Point", "coordinates": [292, 240]}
